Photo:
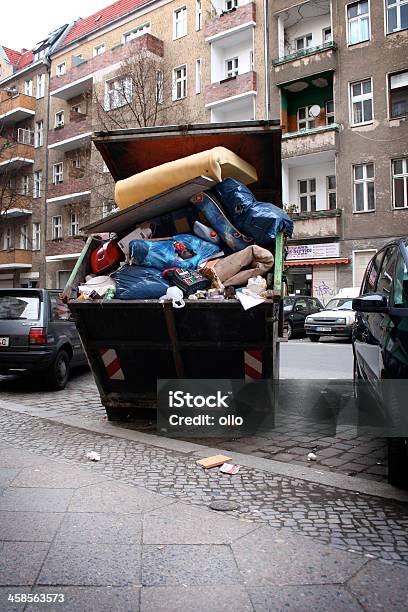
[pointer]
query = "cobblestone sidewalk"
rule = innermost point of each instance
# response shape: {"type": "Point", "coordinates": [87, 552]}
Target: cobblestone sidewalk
{"type": "Point", "coordinates": [368, 525]}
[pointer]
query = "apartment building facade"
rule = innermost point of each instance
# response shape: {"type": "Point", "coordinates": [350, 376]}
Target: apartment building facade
{"type": "Point", "coordinates": [339, 77]}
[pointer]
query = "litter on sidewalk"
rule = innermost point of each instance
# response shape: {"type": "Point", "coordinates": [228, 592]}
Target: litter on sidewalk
{"type": "Point", "coordinates": [214, 461]}
{"type": "Point", "coordinates": [229, 468]}
{"type": "Point", "coordinates": [93, 456]}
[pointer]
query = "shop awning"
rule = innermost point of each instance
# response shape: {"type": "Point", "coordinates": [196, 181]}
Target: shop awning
{"type": "Point", "coordinates": [316, 262]}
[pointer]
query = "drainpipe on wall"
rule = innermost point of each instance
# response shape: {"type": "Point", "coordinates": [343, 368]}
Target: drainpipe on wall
{"type": "Point", "coordinates": [266, 58]}
{"type": "Point", "coordinates": [47, 63]}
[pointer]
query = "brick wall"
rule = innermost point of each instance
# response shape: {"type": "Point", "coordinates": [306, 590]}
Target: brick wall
{"type": "Point", "coordinates": [62, 246]}
{"type": "Point", "coordinates": [75, 127]}
{"type": "Point", "coordinates": [233, 19]}
{"type": "Point", "coordinates": [118, 54]}
{"type": "Point", "coordinates": [71, 184]}
{"type": "Point", "coordinates": [234, 86]}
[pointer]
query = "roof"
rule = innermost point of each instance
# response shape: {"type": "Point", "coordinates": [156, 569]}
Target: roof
{"type": "Point", "coordinates": [26, 58]}
{"type": "Point", "coordinates": [103, 17]}
{"type": "Point", "coordinates": [13, 56]}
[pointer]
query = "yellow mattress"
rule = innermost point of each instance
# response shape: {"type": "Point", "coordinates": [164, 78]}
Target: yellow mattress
{"type": "Point", "coordinates": [217, 164]}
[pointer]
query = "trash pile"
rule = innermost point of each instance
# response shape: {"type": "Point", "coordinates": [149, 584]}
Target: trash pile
{"type": "Point", "coordinates": [218, 245]}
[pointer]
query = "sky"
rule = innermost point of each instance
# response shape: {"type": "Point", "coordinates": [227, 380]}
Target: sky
{"type": "Point", "coordinates": [23, 23]}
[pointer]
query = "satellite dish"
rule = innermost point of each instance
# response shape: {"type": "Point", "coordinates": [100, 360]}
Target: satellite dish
{"type": "Point", "coordinates": [314, 111]}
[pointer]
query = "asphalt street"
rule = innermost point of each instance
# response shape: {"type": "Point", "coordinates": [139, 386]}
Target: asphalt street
{"type": "Point", "coordinates": [329, 358]}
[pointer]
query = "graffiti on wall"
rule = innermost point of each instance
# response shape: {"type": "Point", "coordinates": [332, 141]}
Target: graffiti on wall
{"type": "Point", "coordinates": [323, 291]}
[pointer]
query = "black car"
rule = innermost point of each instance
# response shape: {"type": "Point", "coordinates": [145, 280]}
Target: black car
{"type": "Point", "coordinates": [380, 346]}
{"type": "Point", "coordinates": [295, 310]}
{"type": "Point", "coordinates": [37, 335]}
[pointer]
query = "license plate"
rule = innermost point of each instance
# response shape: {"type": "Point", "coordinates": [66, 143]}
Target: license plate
{"type": "Point", "coordinates": [323, 329]}
{"type": "Point", "coordinates": [4, 341]}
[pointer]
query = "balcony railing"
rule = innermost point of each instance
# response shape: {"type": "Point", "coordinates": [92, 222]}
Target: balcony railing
{"type": "Point", "coordinates": [232, 20]}
{"type": "Point", "coordinates": [72, 189]}
{"type": "Point", "coordinates": [304, 52]}
{"type": "Point", "coordinates": [16, 108]}
{"type": "Point", "coordinates": [64, 245]}
{"type": "Point", "coordinates": [16, 258]}
{"type": "Point", "coordinates": [229, 88]}
{"type": "Point", "coordinates": [79, 77]}
{"type": "Point", "coordinates": [73, 135]}
{"type": "Point", "coordinates": [317, 224]}
{"type": "Point", "coordinates": [14, 154]}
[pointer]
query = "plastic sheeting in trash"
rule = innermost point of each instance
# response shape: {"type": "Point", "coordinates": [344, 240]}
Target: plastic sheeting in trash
{"type": "Point", "coordinates": [161, 254]}
{"type": "Point", "coordinates": [139, 283]}
{"type": "Point", "coordinates": [260, 220]}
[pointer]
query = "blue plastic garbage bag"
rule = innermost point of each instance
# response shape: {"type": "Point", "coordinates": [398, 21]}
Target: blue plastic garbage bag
{"type": "Point", "coordinates": [260, 220]}
{"type": "Point", "coordinates": [161, 254]}
{"type": "Point", "coordinates": [139, 283]}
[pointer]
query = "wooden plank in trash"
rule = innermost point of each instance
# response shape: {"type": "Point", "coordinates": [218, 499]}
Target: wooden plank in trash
{"type": "Point", "coordinates": [214, 461]}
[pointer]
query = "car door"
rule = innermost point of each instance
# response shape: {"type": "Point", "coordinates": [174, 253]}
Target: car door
{"type": "Point", "coordinates": [63, 327]}
{"type": "Point", "coordinates": [315, 305]}
{"type": "Point", "coordinates": [300, 312]}
{"type": "Point", "coordinates": [367, 330]}
{"type": "Point", "coordinates": [383, 327]}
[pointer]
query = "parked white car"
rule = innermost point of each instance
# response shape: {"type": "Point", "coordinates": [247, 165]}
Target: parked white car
{"type": "Point", "coordinates": [336, 319]}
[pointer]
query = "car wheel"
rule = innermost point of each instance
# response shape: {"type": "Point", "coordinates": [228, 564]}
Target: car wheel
{"type": "Point", "coordinates": [314, 338]}
{"type": "Point", "coordinates": [398, 462]}
{"type": "Point", "coordinates": [58, 373]}
{"type": "Point", "coordinates": [290, 330]}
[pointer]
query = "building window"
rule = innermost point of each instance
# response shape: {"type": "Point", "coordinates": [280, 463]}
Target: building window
{"type": "Point", "coordinates": [7, 239]}
{"type": "Point", "coordinates": [361, 102]}
{"type": "Point", "coordinates": [307, 195]}
{"type": "Point", "coordinates": [108, 208]}
{"type": "Point", "coordinates": [180, 82]}
{"type": "Point", "coordinates": [76, 108]}
{"type": "Point", "coordinates": [329, 106]}
{"type": "Point", "coordinates": [61, 69]}
{"type": "Point", "coordinates": [159, 86]}
{"type": "Point", "coordinates": [36, 236]}
{"type": "Point", "coordinates": [400, 183]}
{"type": "Point", "coordinates": [398, 94]}
{"type": "Point", "coordinates": [58, 173]}
{"type": "Point", "coordinates": [39, 134]}
{"type": "Point", "coordinates": [198, 76]}
{"type": "Point", "coordinates": [76, 162]}
{"type": "Point", "coordinates": [118, 92]}
{"type": "Point", "coordinates": [304, 120]}
{"type": "Point", "coordinates": [139, 31]}
{"type": "Point", "coordinates": [40, 91]}
{"type": "Point", "coordinates": [74, 225]}
{"type": "Point", "coordinates": [358, 19]}
{"type": "Point", "coordinates": [37, 184]}
{"type": "Point", "coordinates": [199, 15]}
{"type": "Point", "coordinates": [28, 87]}
{"type": "Point", "coordinates": [25, 184]}
{"type": "Point", "coordinates": [99, 49]}
{"type": "Point", "coordinates": [56, 227]}
{"type": "Point", "coordinates": [231, 67]}
{"type": "Point", "coordinates": [327, 35]}
{"type": "Point", "coordinates": [364, 197]}
{"type": "Point", "coordinates": [331, 192]}
{"type": "Point", "coordinates": [230, 5]}
{"type": "Point", "coordinates": [59, 119]}
{"type": "Point", "coordinates": [304, 42]}
{"type": "Point", "coordinates": [397, 15]}
{"type": "Point", "coordinates": [24, 237]}
{"type": "Point", "coordinates": [180, 22]}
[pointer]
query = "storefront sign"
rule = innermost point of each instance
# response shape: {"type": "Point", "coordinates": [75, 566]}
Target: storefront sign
{"type": "Point", "coordinates": [313, 251]}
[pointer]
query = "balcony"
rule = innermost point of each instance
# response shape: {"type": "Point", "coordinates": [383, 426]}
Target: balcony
{"type": "Point", "coordinates": [15, 155]}
{"type": "Point", "coordinates": [317, 224]}
{"type": "Point", "coordinates": [79, 78]}
{"type": "Point", "coordinates": [73, 189]}
{"type": "Point", "coordinates": [15, 259]}
{"type": "Point", "coordinates": [231, 22]}
{"type": "Point", "coordinates": [16, 205]}
{"type": "Point", "coordinates": [69, 246]}
{"type": "Point", "coordinates": [322, 58]}
{"type": "Point", "coordinates": [74, 135]}
{"type": "Point", "coordinates": [229, 89]}
{"type": "Point", "coordinates": [16, 108]}
{"type": "Point", "coordinates": [315, 140]}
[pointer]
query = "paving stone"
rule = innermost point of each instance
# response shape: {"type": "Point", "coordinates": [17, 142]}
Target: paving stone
{"type": "Point", "coordinates": [89, 599]}
{"type": "Point", "coordinates": [269, 556]}
{"type": "Point", "coordinates": [380, 586]}
{"type": "Point", "coordinates": [6, 605]}
{"type": "Point", "coordinates": [6, 476]}
{"type": "Point", "coordinates": [20, 562]}
{"type": "Point", "coordinates": [188, 565]}
{"type": "Point", "coordinates": [215, 598]}
{"type": "Point", "coordinates": [119, 498]}
{"type": "Point", "coordinates": [29, 526]}
{"type": "Point", "coordinates": [99, 527]}
{"type": "Point", "coordinates": [13, 458]}
{"type": "Point", "coordinates": [55, 475]}
{"type": "Point", "coordinates": [35, 500]}
{"type": "Point", "coordinates": [303, 598]}
{"type": "Point", "coordinates": [91, 564]}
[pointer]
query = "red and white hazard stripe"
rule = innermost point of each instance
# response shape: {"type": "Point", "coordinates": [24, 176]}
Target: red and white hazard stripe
{"type": "Point", "coordinates": [111, 363]}
{"type": "Point", "coordinates": [253, 365]}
